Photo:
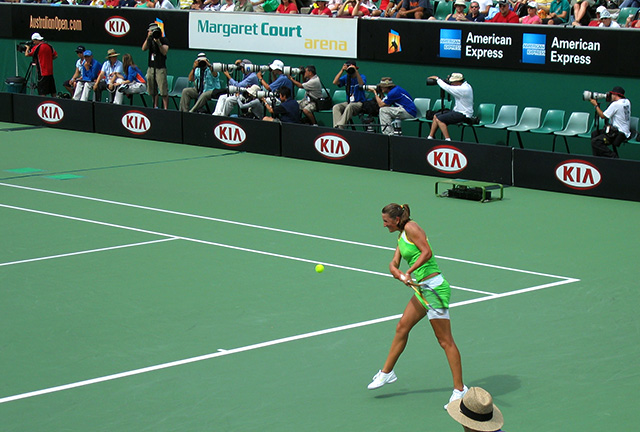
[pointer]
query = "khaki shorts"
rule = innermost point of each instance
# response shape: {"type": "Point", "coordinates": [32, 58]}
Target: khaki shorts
{"type": "Point", "coordinates": [159, 85]}
{"type": "Point", "coordinates": [307, 104]}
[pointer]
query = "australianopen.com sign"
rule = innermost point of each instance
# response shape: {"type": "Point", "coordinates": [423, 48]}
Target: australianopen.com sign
{"type": "Point", "coordinates": [273, 33]}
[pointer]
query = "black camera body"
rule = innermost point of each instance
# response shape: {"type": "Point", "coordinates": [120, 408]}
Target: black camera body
{"type": "Point", "coordinates": [23, 46]}
{"type": "Point", "coordinates": [156, 34]}
{"type": "Point", "coordinates": [351, 70]}
{"type": "Point", "coordinates": [433, 81]}
{"type": "Point", "coordinates": [202, 64]}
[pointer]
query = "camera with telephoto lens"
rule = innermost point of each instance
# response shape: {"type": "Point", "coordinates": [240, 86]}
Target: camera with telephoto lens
{"type": "Point", "coordinates": [351, 70]}
{"type": "Point", "coordinates": [235, 89]}
{"type": "Point", "coordinates": [250, 68]}
{"type": "Point", "coordinates": [222, 67]}
{"type": "Point", "coordinates": [22, 46]}
{"type": "Point", "coordinates": [588, 95]}
{"type": "Point", "coordinates": [202, 64]}
{"type": "Point", "coordinates": [266, 94]}
{"type": "Point", "coordinates": [434, 81]}
{"type": "Point", "coordinates": [290, 71]}
{"type": "Point", "coordinates": [373, 88]}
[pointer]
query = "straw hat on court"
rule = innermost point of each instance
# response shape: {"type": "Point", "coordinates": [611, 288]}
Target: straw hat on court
{"type": "Point", "coordinates": [476, 411]}
{"type": "Point", "coordinates": [112, 53]}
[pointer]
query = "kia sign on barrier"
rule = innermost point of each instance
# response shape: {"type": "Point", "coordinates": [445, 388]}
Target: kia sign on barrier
{"type": "Point", "coordinates": [230, 133]}
{"type": "Point", "coordinates": [50, 112]}
{"type": "Point", "coordinates": [136, 122]}
{"type": "Point", "coordinates": [117, 26]}
{"type": "Point", "coordinates": [147, 123]}
{"type": "Point", "coordinates": [332, 146]}
{"type": "Point", "coordinates": [578, 174]}
{"type": "Point", "coordinates": [447, 159]}
{"type": "Point", "coordinates": [56, 113]}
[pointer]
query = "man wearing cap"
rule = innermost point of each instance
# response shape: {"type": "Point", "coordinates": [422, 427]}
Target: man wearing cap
{"type": "Point", "coordinates": [350, 78]}
{"type": "Point", "coordinates": [226, 102]}
{"type": "Point", "coordinates": [70, 84]}
{"type": "Point", "coordinates": [249, 104]}
{"type": "Point", "coordinates": [90, 70]}
{"type": "Point", "coordinates": [395, 104]}
{"type": "Point", "coordinates": [476, 411]}
{"type": "Point", "coordinates": [158, 47]}
{"type": "Point", "coordinates": [110, 72]}
{"type": "Point", "coordinates": [43, 56]}
{"type": "Point", "coordinates": [606, 21]}
{"type": "Point", "coordinates": [278, 79]}
{"type": "Point", "coordinates": [532, 14]}
{"type": "Point", "coordinates": [462, 108]}
{"type": "Point", "coordinates": [617, 119]}
{"type": "Point", "coordinates": [505, 15]}
{"type": "Point", "coordinates": [206, 80]}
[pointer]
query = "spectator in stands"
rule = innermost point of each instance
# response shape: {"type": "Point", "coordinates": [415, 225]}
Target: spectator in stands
{"type": "Point", "coordinates": [111, 70]}
{"type": "Point", "coordinates": [287, 111]}
{"type": "Point", "coordinates": [206, 80]}
{"type": "Point", "coordinates": [352, 9]}
{"type": "Point", "coordinates": [485, 5]}
{"type": "Point", "coordinates": [287, 7]}
{"type": "Point", "coordinates": [149, 4]}
{"type": "Point", "coordinates": [321, 8]}
{"type": "Point", "coordinates": [458, 12]}
{"type": "Point", "coordinates": [462, 108]}
{"type": "Point", "coordinates": [630, 3]}
{"type": "Point", "coordinates": [596, 22]}
{"type": "Point", "coordinates": [631, 23]}
{"type": "Point", "coordinates": [617, 118]}
{"type": "Point", "coordinates": [70, 84]}
{"type": "Point", "coordinates": [128, 3]}
{"type": "Point", "coordinates": [580, 8]}
{"type": "Point", "coordinates": [505, 15]}
{"type": "Point", "coordinates": [158, 47]}
{"type": "Point", "coordinates": [266, 5]}
{"type": "Point", "coordinates": [90, 71]}
{"type": "Point", "coordinates": [476, 411]}
{"type": "Point", "coordinates": [395, 104]}
{"type": "Point", "coordinates": [606, 21]}
{"type": "Point", "coordinates": [43, 56]}
{"type": "Point", "coordinates": [474, 14]}
{"type": "Point", "coordinates": [212, 5]}
{"type": "Point", "coordinates": [532, 14]}
{"type": "Point", "coordinates": [416, 9]}
{"type": "Point", "coordinates": [558, 13]}
{"type": "Point", "coordinates": [349, 77]}
{"type": "Point", "coordinates": [164, 4]}
{"type": "Point", "coordinates": [243, 6]}
{"type": "Point", "coordinates": [371, 6]}
{"type": "Point", "coordinates": [392, 8]}
{"type": "Point", "coordinates": [313, 91]}
{"type": "Point", "coordinates": [112, 3]}
{"type": "Point", "coordinates": [334, 5]}
{"type": "Point", "coordinates": [278, 79]}
{"type": "Point", "coordinates": [133, 81]}
{"type": "Point", "coordinates": [228, 6]}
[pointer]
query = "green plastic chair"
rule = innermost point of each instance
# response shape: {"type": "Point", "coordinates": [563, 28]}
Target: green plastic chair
{"type": "Point", "coordinates": [594, 125]}
{"type": "Point", "coordinates": [422, 106]}
{"type": "Point", "coordinates": [577, 124]}
{"type": "Point", "coordinates": [635, 134]}
{"type": "Point", "coordinates": [530, 119]}
{"type": "Point", "coordinates": [486, 115]}
{"type": "Point", "coordinates": [553, 122]}
{"type": "Point", "coordinates": [507, 117]}
{"type": "Point", "coordinates": [175, 94]}
{"type": "Point", "coordinates": [339, 96]}
{"type": "Point", "coordinates": [443, 9]}
{"type": "Point", "coordinates": [624, 13]}
{"type": "Point", "coordinates": [300, 94]}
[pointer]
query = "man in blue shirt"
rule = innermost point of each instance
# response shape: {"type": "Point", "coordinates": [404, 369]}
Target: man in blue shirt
{"type": "Point", "coordinates": [205, 81]}
{"type": "Point", "coordinates": [349, 77]}
{"type": "Point", "coordinates": [278, 79]}
{"type": "Point", "coordinates": [397, 104]}
{"type": "Point", "coordinates": [90, 71]}
{"type": "Point", "coordinates": [287, 112]}
{"type": "Point", "coordinates": [228, 101]}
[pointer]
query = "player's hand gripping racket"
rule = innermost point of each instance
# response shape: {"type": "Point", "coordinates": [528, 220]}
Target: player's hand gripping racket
{"type": "Point", "coordinates": [417, 288]}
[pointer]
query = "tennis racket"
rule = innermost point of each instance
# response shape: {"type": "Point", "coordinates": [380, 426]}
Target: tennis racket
{"type": "Point", "coordinates": [416, 287]}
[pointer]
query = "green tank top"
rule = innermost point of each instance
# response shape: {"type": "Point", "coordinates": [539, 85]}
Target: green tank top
{"type": "Point", "coordinates": [410, 254]}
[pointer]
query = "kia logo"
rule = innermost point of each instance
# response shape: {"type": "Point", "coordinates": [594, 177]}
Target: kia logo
{"type": "Point", "coordinates": [117, 26]}
{"type": "Point", "coordinates": [136, 122]}
{"type": "Point", "coordinates": [447, 159]}
{"type": "Point", "coordinates": [578, 174]}
{"type": "Point", "coordinates": [332, 146]}
{"type": "Point", "coordinates": [230, 133]}
{"type": "Point", "coordinates": [50, 112]}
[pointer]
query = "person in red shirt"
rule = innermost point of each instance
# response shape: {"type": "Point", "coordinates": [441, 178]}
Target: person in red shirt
{"type": "Point", "coordinates": [287, 7]}
{"type": "Point", "coordinates": [505, 15]}
{"type": "Point", "coordinates": [321, 8]}
{"type": "Point", "coordinates": [43, 56]}
{"type": "Point", "coordinates": [352, 8]}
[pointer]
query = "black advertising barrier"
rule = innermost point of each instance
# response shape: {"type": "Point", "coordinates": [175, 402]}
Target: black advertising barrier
{"type": "Point", "coordinates": [137, 122]}
{"type": "Point", "coordinates": [6, 107]}
{"type": "Point", "coordinates": [53, 112]}
{"type": "Point", "coordinates": [581, 50]}
{"type": "Point", "coordinates": [86, 25]}
{"type": "Point", "coordinates": [5, 21]}
{"type": "Point", "coordinates": [451, 159]}
{"type": "Point", "coordinates": [339, 146]}
{"type": "Point", "coordinates": [233, 133]}
{"type": "Point", "coordinates": [577, 174]}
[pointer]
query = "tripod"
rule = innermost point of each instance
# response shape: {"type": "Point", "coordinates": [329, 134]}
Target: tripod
{"type": "Point", "coordinates": [30, 80]}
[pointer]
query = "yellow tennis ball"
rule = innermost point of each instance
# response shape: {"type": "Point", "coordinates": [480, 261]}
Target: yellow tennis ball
{"type": "Point", "coordinates": [319, 268]}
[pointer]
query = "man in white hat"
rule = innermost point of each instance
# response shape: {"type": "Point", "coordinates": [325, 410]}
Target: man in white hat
{"type": "Point", "coordinates": [606, 20]}
{"type": "Point", "coordinates": [476, 411]}
{"type": "Point", "coordinates": [462, 108]}
{"type": "Point", "coordinates": [43, 56]}
{"type": "Point", "coordinates": [278, 79]}
{"type": "Point", "coordinates": [110, 72]}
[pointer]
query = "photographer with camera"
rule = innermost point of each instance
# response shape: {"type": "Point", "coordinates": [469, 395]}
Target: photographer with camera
{"type": "Point", "coordinates": [43, 56]}
{"type": "Point", "coordinates": [313, 92]}
{"type": "Point", "coordinates": [287, 111]}
{"type": "Point", "coordinates": [462, 111]}
{"type": "Point", "coordinates": [227, 101]}
{"type": "Point", "coordinates": [278, 79]}
{"type": "Point", "coordinates": [250, 104]}
{"type": "Point", "coordinates": [349, 77]}
{"type": "Point", "coordinates": [395, 104]}
{"type": "Point", "coordinates": [617, 119]}
{"type": "Point", "coordinates": [206, 81]}
{"type": "Point", "coordinates": [158, 47]}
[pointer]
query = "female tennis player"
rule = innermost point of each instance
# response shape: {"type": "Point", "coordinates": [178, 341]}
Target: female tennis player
{"type": "Point", "coordinates": [414, 247]}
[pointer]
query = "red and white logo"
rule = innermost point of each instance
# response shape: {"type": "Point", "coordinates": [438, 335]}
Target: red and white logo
{"type": "Point", "coordinates": [50, 112]}
{"type": "Point", "coordinates": [136, 122]}
{"type": "Point", "coordinates": [117, 26]}
{"type": "Point", "coordinates": [578, 174]}
{"type": "Point", "coordinates": [332, 146]}
{"type": "Point", "coordinates": [230, 133]}
{"type": "Point", "coordinates": [447, 159]}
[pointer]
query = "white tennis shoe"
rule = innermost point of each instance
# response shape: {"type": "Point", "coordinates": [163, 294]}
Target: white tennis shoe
{"type": "Point", "coordinates": [381, 379]}
{"type": "Point", "coordinates": [457, 394]}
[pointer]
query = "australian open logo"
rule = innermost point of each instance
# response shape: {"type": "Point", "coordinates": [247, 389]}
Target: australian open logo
{"type": "Point", "coordinates": [394, 42]}
{"type": "Point", "coordinates": [450, 43]}
{"type": "Point", "coordinates": [534, 48]}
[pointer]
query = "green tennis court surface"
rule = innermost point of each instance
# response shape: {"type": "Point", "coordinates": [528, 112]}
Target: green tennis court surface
{"type": "Point", "coordinates": [164, 287]}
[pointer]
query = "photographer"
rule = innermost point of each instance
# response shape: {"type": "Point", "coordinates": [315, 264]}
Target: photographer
{"type": "Point", "coordinates": [395, 104]}
{"type": "Point", "coordinates": [278, 79]}
{"type": "Point", "coordinates": [287, 112]}
{"type": "Point", "coordinates": [313, 89]}
{"type": "Point", "coordinates": [43, 56]}
{"type": "Point", "coordinates": [249, 103]}
{"type": "Point", "coordinates": [206, 81]}
{"type": "Point", "coordinates": [462, 94]}
{"type": "Point", "coordinates": [349, 77]}
{"type": "Point", "coordinates": [227, 101]}
{"type": "Point", "coordinates": [617, 118]}
{"type": "Point", "coordinates": [158, 46]}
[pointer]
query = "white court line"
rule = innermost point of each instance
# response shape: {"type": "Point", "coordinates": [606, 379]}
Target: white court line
{"type": "Point", "coordinates": [263, 227]}
{"type": "Point", "coordinates": [224, 352]}
{"type": "Point", "coordinates": [86, 252]}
